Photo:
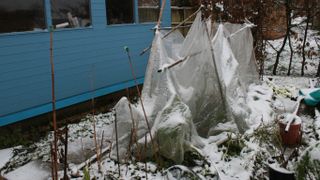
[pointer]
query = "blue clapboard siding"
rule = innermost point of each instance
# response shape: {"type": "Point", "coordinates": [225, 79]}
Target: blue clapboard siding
{"type": "Point", "coordinates": [89, 62]}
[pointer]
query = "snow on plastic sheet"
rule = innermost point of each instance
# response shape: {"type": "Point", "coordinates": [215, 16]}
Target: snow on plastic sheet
{"type": "Point", "coordinates": [235, 75]}
{"type": "Point", "coordinates": [241, 43]}
{"type": "Point", "coordinates": [224, 56]}
{"type": "Point", "coordinates": [198, 93]}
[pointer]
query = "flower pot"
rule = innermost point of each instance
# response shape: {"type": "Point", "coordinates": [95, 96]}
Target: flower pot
{"type": "Point", "coordinates": [290, 136]}
{"type": "Point", "coordinates": [278, 173]}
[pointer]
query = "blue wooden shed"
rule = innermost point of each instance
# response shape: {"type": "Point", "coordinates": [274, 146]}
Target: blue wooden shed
{"type": "Point", "coordinates": [89, 59]}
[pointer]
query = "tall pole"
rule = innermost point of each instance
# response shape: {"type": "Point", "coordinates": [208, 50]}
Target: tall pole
{"type": "Point", "coordinates": [161, 13]}
{"type": "Point", "coordinates": [141, 102]}
{"type": "Point", "coordinates": [98, 152]}
{"type": "Point", "coordinates": [54, 116]}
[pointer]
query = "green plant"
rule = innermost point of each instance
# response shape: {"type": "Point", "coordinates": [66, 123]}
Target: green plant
{"type": "Point", "coordinates": [233, 146]}
{"type": "Point", "coordinates": [86, 173]}
{"type": "Point", "coordinates": [268, 135]}
{"type": "Point", "coordinates": [308, 168]}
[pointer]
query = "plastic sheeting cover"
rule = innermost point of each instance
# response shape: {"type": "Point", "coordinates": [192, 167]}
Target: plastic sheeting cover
{"type": "Point", "coordinates": [208, 87]}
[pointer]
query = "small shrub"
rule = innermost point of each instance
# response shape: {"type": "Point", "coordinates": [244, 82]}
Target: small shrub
{"type": "Point", "coordinates": [233, 146]}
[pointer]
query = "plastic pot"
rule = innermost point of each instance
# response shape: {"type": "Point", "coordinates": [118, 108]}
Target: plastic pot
{"type": "Point", "coordinates": [276, 173]}
{"type": "Point", "coordinates": [290, 137]}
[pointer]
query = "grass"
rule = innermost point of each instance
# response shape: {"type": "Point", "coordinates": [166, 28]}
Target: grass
{"type": "Point", "coordinates": [308, 168]}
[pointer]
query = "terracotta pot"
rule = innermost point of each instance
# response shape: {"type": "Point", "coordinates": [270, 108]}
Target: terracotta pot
{"type": "Point", "coordinates": [292, 137]}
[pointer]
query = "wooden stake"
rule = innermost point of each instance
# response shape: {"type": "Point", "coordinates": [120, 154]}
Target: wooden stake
{"type": "Point", "coordinates": [54, 116]}
{"type": "Point", "coordinates": [94, 125]}
{"type": "Point", "coordinates": [180, 24]}
{"type": "Point", "coordinates": [158, 25]}
{"type": "Point", "coordinates": [179, 61]}
{"type": "Point", "coordinates": [52, 163]}
{"type": "Point", "coordinates": [133, 138]}
{"type": "Point", "coordinates": [141, 102]}
{"type": "Point", "coordinates": [101, 143]}
{"type": "Point", "coordinates": [65, 177]}
{"type": "Point", "coordinates": [220, 84]}
{"type": "Point", "coordinates": [161, 13]}
{"type": "Point", "coordinates": [117, 143]}
{"type": "Point", "coordinates": [145, 149]}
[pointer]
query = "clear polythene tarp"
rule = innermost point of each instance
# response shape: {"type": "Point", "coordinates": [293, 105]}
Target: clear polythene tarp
{"type": "Point", "coordinates": [188, 100]}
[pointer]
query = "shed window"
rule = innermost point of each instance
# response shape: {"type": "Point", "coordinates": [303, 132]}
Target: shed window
{"type": "Point", "coordinates": [70, 13]}
{"type": "Point", "coordinates": [181, 10]}
{"type": "Point", "coordinates": [148, 10]}
{"type": "Point", "coordinates": [21, 15]}
{"type": "Point", "coordinates": [120, 11]}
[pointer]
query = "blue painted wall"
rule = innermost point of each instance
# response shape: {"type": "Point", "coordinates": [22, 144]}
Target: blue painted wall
{"type": "Point", "coordinates": [85, 59]}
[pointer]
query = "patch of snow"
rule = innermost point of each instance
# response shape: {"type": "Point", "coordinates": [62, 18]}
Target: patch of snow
{"type": "Point", "coordinates": [277, 167]}
{"type": "Point", "coordinates": [234, 170]}
{"type": "Point", "coordinates": [259, 101]}
{"type": "Point", "coordinates": [32, 170]}
{"type": "Point", "coordinates": [315, 152]}
{"type": "Point", "coordinates": [5, 155]}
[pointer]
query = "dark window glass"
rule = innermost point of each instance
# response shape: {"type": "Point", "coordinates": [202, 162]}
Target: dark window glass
{"type": "Point", "coordinates": [183, 2]}
{"type": "Point", "coordinates": [181, 10]}
{"type": "Point", "coordinates": [70, 13]}
{"type": "Point", "coordinates": [21, 15]}
{"type": "Point", "coordinates": [148, 10]}
{"type": "Point", "coordinates": [119, 11]}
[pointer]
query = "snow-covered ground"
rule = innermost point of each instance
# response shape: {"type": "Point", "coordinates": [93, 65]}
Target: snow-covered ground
{"type": "Point", "coordinates": [256, 147]}
{"type": "Point", "coordinates": [5, 155]}
{"type": "Point", "coordinates": [311, 50]}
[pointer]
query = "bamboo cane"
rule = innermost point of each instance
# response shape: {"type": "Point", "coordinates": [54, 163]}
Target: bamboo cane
{"type": "Point", "coordinates": [134, 131]}
{"type": "Point", "coordinates": [94, 126]}
{"type": "Point", "coordinates": [164, 28]}
{"type": "Point", "coordinates": [65, 176]}
{"type": "Point", "coordinates": [101, 143]}
{"type": "Point", "coordinates": [52, 163]}
{"type": "Point", "coordinates": [158, 25]}
{"type": "Point", "coordinates": [117, 143]}
{"type": "Point", "coordinates": [139, 95]}
{"type": "Point", "coordinates": [54, 116]}
{"type": "Point", "coordinates": [178, 62]}
{"type": "Point", "coordinates": [129, 147]}
{"type": "Point", "coordinates": [92, 159]}
{"type": "Point", "coordinates": [145, 164]}
{"type": "Point", "coordinates": [180, 24]}
{"type": "Point", "coordinates": [161, 13]}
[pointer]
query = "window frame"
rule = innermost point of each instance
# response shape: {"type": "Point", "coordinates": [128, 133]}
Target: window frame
{"type": "Point", "coordinates": [48, 20]}
{"type": "Point", "coordinates": [150, 22]}
{"type": "Point", "coordinates": [46, 25]}
{"type": "Point", "coordinates": [68, 29]}
{"type": "Point", "coordinates": [135, 16]}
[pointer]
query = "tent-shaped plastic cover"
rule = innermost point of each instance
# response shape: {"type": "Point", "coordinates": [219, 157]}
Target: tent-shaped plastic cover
{"type": "Point", "coordinates": [186, 100]}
